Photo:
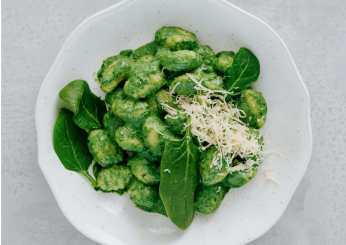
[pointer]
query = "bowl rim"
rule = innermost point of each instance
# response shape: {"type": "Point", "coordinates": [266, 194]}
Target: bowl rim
{"type": "Point", "coordinates": [124, 3]}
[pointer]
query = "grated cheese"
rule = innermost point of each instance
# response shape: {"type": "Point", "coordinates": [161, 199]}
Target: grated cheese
{"type": "Point", "coordinates": [169, 116]}
{"type": "Point", "coordinates": [172, 90]}
{"type": "Point", "coordinates": [202, 68]}
{"type": "Point", "coordinates": [269, 176]}
{"type": "Point", "coordinates": [157, 130]}
{"type": "Point", "coordinates": [169, 109]}
{"type": "Point", "coordinates": [217, 123]}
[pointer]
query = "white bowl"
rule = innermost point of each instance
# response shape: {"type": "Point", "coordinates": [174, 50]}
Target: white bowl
{"type": "Point", "coordinates": [247, 212]}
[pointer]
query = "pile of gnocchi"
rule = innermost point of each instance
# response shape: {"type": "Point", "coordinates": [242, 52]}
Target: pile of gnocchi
{"type": "Point", "coordinates": [149, 144]}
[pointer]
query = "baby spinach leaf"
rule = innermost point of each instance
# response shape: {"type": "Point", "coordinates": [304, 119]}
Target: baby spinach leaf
{"type": "Point", "coordinates": [179, 180]}
{"type": "Point", "coordinates": [244, 71]}
{"type": "Point", "coordinates": [72, 93]}
{"type": "Point", "coordinates": [90, 113]}
{"type": "Point", "coordinates": [70, 144]}
{"type": "Point", "coordinates": [89, 108]}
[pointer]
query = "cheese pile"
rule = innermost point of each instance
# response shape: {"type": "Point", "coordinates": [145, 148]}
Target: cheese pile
{"type": "Point", "coordinates": [216, 123]}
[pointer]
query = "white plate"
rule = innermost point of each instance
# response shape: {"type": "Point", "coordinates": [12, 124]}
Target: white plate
{"type": "Point", "coordinates": [245, 213]}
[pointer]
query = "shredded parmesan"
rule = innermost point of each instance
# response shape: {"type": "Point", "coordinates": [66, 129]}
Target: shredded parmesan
{"type": "Point", "coordinates": [202, 68]}
{"type": "Point", "coordinates": [157, 131]}
{"type": "Point", "coordinates": [169, 109]}
{"type": "Point", "coordinates": [169, 116]}
{"type": "Point", "coordinates": [217, 123]}
{"type": "Point", "coordinates": [172, 90]}
{"type": "Point", "coordinates": [269, 176]}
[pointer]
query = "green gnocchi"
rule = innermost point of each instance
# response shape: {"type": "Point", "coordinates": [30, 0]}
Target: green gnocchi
{"type": "Point", "coordinates": [181, 129]}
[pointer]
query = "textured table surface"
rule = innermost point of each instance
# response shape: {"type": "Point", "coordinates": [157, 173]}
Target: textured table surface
{"type": "Point", "coordinates": [33, 32]}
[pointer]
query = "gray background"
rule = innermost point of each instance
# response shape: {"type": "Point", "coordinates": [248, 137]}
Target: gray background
{"type": "Point", "coordinates": [33, 32]}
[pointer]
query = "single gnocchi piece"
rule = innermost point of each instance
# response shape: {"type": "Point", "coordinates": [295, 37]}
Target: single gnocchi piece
{"type": "Point", "coordinates": [156, 99]}
{"type": "Point", "coordinates": [155, 134]}
{"type": "Point", "coordinates": [224, 61]}
{"type": "Point", "coordinates": [239, 178]}
{"type": "Point", "coordinates": [145, 171]}
{"type": "Point", "coordinates": [111, 122]}
{"type": "Point", "coordinates": [131, 111]}
{"type": "Point", "coordinates": [145, 50]}
{"type": "Point", "coordinates": [103, 148]}
{"type": "Point", "coordinates": [129, 138]}
{"type": "Point", "coordinates": [207, 54]}
{"type": "Point", "coordinates": [114, 70]}
{"type": "Point", "coordinates": [176, 38]}
{"type": "Point", "coordinates": [182, 60]}
{"type": "Point", "coordinates": [254, 106]}
{"type": "Point", "coordinates": [209, 198]}
{"type": "Point", "coordinates": [208, 173]}
{"type": "Point", "coordinates": [145, 78]}
{"type": "Point", "coordinates": [114, 178]}
{"type": "Point", "coordinates": [117, 93]}
{"type": "Point", "coordinates": [183, 85]}
{"type": "Point", "coordinates": [146, 197]}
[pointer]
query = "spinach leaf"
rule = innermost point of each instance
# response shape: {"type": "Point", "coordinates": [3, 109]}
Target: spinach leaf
{"type": "Point", "coordinates": [96, 169]}
{"type": "Point", "coordinates": [89, 108]}
{"type": "Point", "coordinates": [90, 113]}
{"type": "Point", "coordinates": [70, 144]}
{"type": "Point", "coordinates": [244, 71]}
{"type": "Point", "coordinates": [179, 179]}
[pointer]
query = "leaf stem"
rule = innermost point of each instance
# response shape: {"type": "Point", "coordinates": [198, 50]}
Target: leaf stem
{"type": "Point", "coordinates": [92, 180]}
{"type": "Point", "coordinates": [234, 94]}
